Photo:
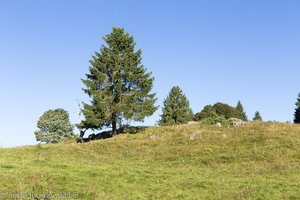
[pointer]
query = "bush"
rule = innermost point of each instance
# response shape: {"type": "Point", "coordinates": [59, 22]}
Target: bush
{"type": "Point", "coordinates": [208, 111]}
{"type": "Point", "coordinates": [54, 126]}
{"type": "Point", "coordinates": [226, 110]}
{"type": "Point", "coordinates": [214, 119]}
{"type": "Point", "coordinates": [219, 109]}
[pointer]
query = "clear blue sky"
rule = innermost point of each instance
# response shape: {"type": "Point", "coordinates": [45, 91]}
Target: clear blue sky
{"type": "Point", "coordinates": [214, 50]}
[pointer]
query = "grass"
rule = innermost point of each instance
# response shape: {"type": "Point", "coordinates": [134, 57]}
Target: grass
{"type": "Point", "coordinates": [256, 161]}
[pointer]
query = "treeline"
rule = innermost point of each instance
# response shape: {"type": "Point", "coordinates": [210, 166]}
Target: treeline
{"type": "Point", "coordinates": [176, 110]}
{"type": "Point", "coordinates": [120, 89]}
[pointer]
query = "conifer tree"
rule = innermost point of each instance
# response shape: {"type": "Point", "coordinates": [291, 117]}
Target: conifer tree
{"type": "Point", "coordinates": [118, 84]}
{"type": "Point", "coordinates": [241, 111]}
{"type": "Point", "coordinates": [297, 111]}
{"type": "Point", "coordinates": [176, 108]}
{"type": "Point", "coordinates": [257, 116]}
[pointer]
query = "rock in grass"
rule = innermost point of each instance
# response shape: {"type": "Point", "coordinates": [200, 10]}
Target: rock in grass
{"type": "Point", "coordinates": [193, 136]}
{"type": "Point", "coordinates": [218, 124]}
{"type": "Point", "coordinates": [236, 122]}
{"type": "Point", "coordinates": [154, 136]}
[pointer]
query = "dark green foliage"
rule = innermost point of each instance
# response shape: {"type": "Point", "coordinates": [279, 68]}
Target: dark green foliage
{"type": "Point", "coordinates": [54, 126]}
{"type": "Point", "coordinates": [221, 109]}
{"type": "Point", "coordinates": [176, 108]}
{"type": "Point", "coordinates": [214, 118]}
{"type": "Point", "coordinates": [241, 111]}
{"type": "Point", "coordinates": [208, 111]}
{"type": "Point", "coordinates": [118, 85]}
{"type": "Point", "coordinates": [297, 111]}
{"type": "Point", "coordinates": [257, 116]}
{"type": "Point", "coordinates": [226, 110]}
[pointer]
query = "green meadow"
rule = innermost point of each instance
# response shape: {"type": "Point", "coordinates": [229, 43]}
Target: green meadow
{"type": "Point", "coordinates": [260, 160]}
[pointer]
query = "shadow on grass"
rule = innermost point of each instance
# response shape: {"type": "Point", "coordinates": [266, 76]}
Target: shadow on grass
{"type": "Point", "coordinates": [108, 134]}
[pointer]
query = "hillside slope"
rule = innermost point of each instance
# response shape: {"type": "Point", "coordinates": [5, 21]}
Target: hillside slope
{"type": "Point", "coordinates": [257, 161]}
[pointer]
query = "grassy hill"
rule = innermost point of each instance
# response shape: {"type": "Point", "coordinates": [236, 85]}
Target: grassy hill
{"type": "Point", "coordinates": [257, 161]}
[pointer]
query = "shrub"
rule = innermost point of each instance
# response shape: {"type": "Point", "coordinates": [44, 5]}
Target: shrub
{"type": "Point", "coordinates": [219, 109]}
{"type": "Point", "coordinates": [214, 119]}
{"type": "Point", "coordinates": [54, 126]}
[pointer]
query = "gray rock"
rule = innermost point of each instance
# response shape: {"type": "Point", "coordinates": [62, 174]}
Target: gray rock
{"type": "Point", "coordinates": [154, 136]}
{"type": "Point", "coordinates": [218, 124]}
{"type": "Point", "coordinates": [192, 122]}
{"type": "Point", "coordinates": [193, 136]}
{"type": "Point", "coordinates": [236, 122]}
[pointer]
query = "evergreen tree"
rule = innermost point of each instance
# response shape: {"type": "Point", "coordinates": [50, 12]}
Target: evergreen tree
{"type": "Point", "coordinates": [297, 111]}
{"type": "Point", "coordinates": [176, 108]}
{"type": "Point", "coordinates": [118, 85]}
{"type": "Point", "coordinates": [54, 126]}
{"type": "Point", "coordinates": [257, 116]}
{"type": "Point", "coordinates": [241, 111]}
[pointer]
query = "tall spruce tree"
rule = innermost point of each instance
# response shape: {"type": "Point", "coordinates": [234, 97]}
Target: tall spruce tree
{"type": "Point", "coordinates": [297, 111]}
{"type": "Point", "coordinates": [257, 116]}
{"type": "Point", "coordinates": [118, 84]}
{"type": "Point", "coordinates": [241, 111]}
{"type": "Point", "coordinates": [176, 108]}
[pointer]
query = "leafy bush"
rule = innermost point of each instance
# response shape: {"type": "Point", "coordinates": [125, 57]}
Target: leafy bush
{"type": "Point", "coordinates": [214, 119]}
{"type": "Point", "coordinates": [226, 110]}
{"type": "Point", "coordinates": [219, 109]}
{"type": "Point", "coordinates": [208, 111]}
{"type": "Point", "coordinates": [54, 126]}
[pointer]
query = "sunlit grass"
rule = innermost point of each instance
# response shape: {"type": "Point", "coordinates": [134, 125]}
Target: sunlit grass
{"type": "Point", "coordinates": [256, 161]}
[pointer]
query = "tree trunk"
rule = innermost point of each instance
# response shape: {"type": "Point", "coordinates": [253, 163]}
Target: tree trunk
{"type": "Point", "coordinates": [114, 124]}
{"type": "Point", "coordinates": [82, 134]}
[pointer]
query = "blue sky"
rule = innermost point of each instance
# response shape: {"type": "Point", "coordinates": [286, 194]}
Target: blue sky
{"type": "Point", "coordinates": [214, 50]}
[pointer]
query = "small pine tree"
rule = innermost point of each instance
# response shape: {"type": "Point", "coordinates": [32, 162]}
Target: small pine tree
{"type": "Point", "coordinates": [241, 111]}
{"type": "Point", "coordinates": [54, 126]}
{"type": "Point", "coordinates": [257, 116]}
{"type": "Point", "coordinates": [297, 111]}
{"type": "Point", "coordinates": [176, 108]}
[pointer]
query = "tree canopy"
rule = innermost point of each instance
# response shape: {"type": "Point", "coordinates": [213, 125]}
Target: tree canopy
{"type": "Point", "coordinates": [206, 112]}
{"type": "Point", "coordinates": [297, 111]}
{"type": "Point", "coordinates": [257, 116]}
{"type": "Point", "coordinates": [118, 84]}
{"type": "Point", "coordinates": [242, 113]}
{"type": "Point", "coordinates": [176, 108]}
{"type": "Point", "coordinates": [54, 126]}
{"type": "Point", "coordinates": [219, 109]}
